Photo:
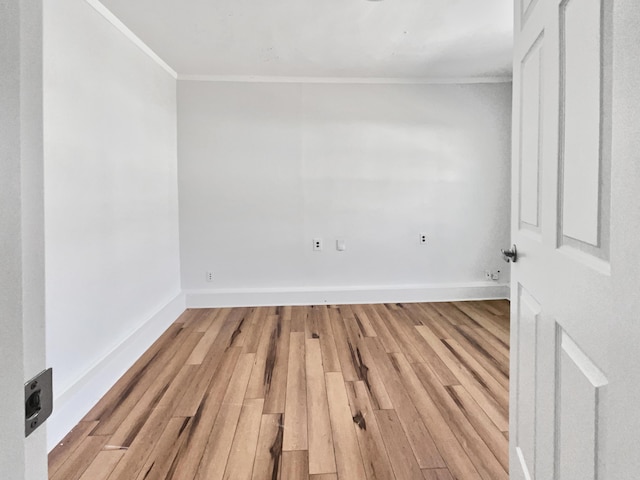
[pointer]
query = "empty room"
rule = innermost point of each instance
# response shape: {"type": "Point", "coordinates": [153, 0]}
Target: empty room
{"type": "Point", "coordinates": [366, 239]}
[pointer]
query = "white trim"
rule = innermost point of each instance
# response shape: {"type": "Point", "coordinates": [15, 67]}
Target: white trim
{"type": "Point", "coordinates": [585, 365]}
{"type": "Point", "coordinates": [77, 399]}
{"type": "Point", "coordinates": [342, 80]}
{"type": "Point", "coordinates": [115, 21]}
{"type": "Point", "coordinates": [344, 295]}
{"type": "Point", "coordinates": [523, 464]}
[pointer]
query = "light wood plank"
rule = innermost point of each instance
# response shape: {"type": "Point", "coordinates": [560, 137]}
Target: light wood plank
{"type": "Point", "coordinates": [477, 450]}
{"type": "Point", "coordinates": [363, 320]}
{"type": "Point", "coordinates": [208, 369]}
{"type": "Point", "coordinates": [437, 474]}
{"type": "Point", "coordinates": [267, 465]}
{"type": "Point", "coordinates": [243, 450]}
{"type": "Point", "coordinates": [487, 430]}
{"type": "Point", "coordinates": [130, 426]}
{"type": "Point", "coordinates": [188, 458]}
{"type": "Point", "coordinates": [159, 463]}
{"type": "Point", "coordinates": [485, 378]}
{"type": "Point", "coordinates": [426, 353]}
{"type": "Point", "coordinates": [204, 345]}
{"type": "Point", "coordinates": [330, 358]}
{"type": "Point", "coordinates": [365, 367]}
{"type": "Point", "coordinates": [206, 317]}
{"type": "Point", "coordinates": [80, 459]}
{"type": "Point", "coordinates": [374, 454]}
{"type": "Point", "coordinates": [386, 338]}
{"type": "Point", "coordinates": [239, 317]}
{"type": "Point", "coordinates": [320, 438]}
{"type": "Point", "coordinates": [498, 344]}
{"type": "Point", "coordinates": [439, 325]}
{"type": "Point", "coordinates": [299, 318]}
{"type": "Point", "coordinates": [454, 315]}
{"type": "Point", "coordinates": [405, 466]}
{"type": "Point", "coordinates": [479, 392]}
{"type": "Point", "coordinates": [347, 451]}
{"type": "Point", "coordinates": [490, 347]}
{"type": "Point", "coordinates": [399, 334]}
{"type": "Point", "coordinates": [216, 453]}
{"type": "Point", "coordinates": [276, 368]}
{"type": "Point", "coordinates": [348, 361]}
{"type": "Point", "coordinates": [260, 375]}
{"type": "Point", "coordinates": [179, 386]}
{"type": "Point", "coordinates": [255, 324]}
{"type": "Point", "coordinates": [452, 451]}
{"type": "Point", "coordinates": [491, 323]}
{"type": "Point", "coordinates": [144, 442]}
{"type": "Point", "coordinates": [418, 436]}
{"type": "Point", "coordinates": [103, 465]}
{"type": "Point", "coordinates": [285, 312]}
{"type": "Point", "coordinates": [68, 445]}
{"type": "Point", "coordinates": [295, 414]}
{"type": "Point", "coordinates": [295, 465]}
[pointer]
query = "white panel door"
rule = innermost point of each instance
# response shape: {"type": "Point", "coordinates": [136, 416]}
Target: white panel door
{"type": "Point", "coordinates": [575, 380]}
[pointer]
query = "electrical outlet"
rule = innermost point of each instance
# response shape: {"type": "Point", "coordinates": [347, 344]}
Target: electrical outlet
{"type": "Point", "coordinates": [209, 276]}
{"type": "Point", "coordinates": [492, 275]}
{"type": "Point", "coordinates": [423, 238]}
{"type": "Point", "coordinates": [317, 244]}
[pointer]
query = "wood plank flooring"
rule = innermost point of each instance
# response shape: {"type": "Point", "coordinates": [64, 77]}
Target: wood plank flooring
{"type": "Point", "coordinates": [393, 391]}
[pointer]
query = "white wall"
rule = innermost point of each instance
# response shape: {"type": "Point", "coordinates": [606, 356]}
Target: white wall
{"type": "Point", "coordinates": [112, 254]}
{"type": "Point", "coordinates": [266, 167]}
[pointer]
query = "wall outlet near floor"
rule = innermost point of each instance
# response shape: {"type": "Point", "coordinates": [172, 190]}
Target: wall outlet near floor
{"type": "Point", "coordinates": [423, 238]}
{"type": "Point", "coordinates": [492, 275]}
{"type": "Point", "coordinates": [317, 244]}
{"type": "Point", "coordinates": [209, 276]}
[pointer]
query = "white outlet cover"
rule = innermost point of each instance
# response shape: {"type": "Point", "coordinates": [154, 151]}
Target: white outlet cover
{"type": "Point", "coordinates": [317, 244]}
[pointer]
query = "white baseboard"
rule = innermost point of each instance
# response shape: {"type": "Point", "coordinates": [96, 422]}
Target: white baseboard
{"type": "Point", "coordinates": [344, 295]}
{"type": "Point", "coordinates": [76, 401]}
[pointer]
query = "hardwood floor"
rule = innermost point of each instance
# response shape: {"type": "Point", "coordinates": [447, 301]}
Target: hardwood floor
{"type": "Point", "coordinates": [396, 391]}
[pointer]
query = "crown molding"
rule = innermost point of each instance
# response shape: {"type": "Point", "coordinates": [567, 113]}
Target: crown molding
{"type": "Point", "coordinates": [115, 21]}
{"type": "Point", "coordinates": [344, 80]}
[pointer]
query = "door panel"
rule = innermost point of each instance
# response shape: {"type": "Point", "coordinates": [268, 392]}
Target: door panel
{"type": "Point", "coordinates": [528, 315]}
{"type": "Point", "coordinates": [581, 389]}
{"type": "Point", "coordinates": [580, 119]}
{"type": "Point", "coordinates": [564, 281]}
{"type": "Point", "coordinates": [530, 148]}
{"type": "Point", "coordinates": [525, 8]}
{"type": "Point", "coordinates": [585, 128]}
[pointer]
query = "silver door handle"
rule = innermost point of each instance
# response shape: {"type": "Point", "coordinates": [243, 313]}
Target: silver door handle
{"type": "Point", "coordinates": [510, 255]}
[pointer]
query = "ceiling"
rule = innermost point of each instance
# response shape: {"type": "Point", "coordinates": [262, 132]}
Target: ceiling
{"type": "Point", "coordinates": [326, 38]}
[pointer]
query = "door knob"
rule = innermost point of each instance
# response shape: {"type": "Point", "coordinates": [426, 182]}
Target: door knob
{"type": "Point", "coordinates": [510, 255]}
